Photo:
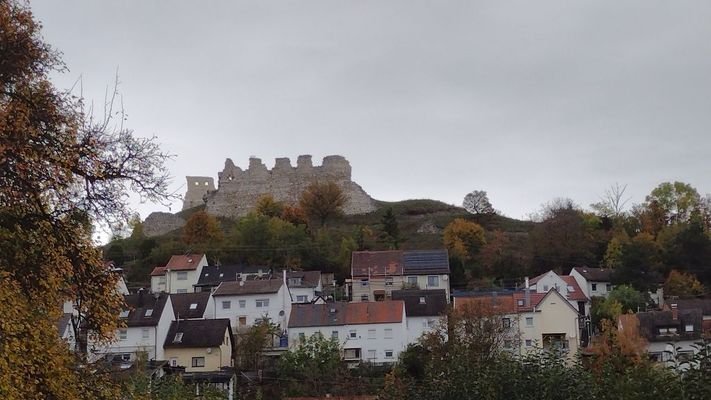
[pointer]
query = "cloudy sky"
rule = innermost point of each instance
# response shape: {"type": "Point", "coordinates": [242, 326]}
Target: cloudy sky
{"type": "Point", "coordinates": [427, 99]}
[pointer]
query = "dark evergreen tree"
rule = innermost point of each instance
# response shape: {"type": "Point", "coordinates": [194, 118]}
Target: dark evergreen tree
{"type": "Point", "coordinates": [390, 231]}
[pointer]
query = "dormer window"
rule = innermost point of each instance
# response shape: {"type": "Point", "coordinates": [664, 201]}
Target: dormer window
{"type": "Point", "coordinates": [294, 281]}
{"type": "Point", "coordinates": [519, 302]}
{"type": "Point", "coordinates": [149, 312]}
{"type": "Point", "coordinates": [178, 337]}
{"type": "Point", "coordinates": [571, 289]}
{"type": "Point", "coordinates": [388, 281]}
{"type": "Point", "coordinates": [689, 328]}
{"type": "Point", "coordinates": [422, 300]}
{"type": "Point", "coordinates": [193, 306]}
{"type": "Point", "coordinates": [124, 314]}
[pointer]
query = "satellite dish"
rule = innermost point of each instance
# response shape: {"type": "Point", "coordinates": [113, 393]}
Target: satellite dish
{"type": "Point", "coordinates": [444, 278]}
{"type": "Point", "coordinates": [281, 313]}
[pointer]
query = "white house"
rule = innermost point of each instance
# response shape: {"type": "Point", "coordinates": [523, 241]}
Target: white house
{"type": "Point", "coordinates": [179, 275]}
{"type": "Point", "coordinates": [536, 320]}
{"type": "Point", "coordinates": [304, 286]}
{"type": "Point", "coordinates": [246, 301]}
{"type": "Point", "coordinates": [593, 281]}
{"type": "Point", "coordinates": [367, 331]}
{"type": "Point", "coordinates": [147, 321]}
{"type": "Point", "coordinates": [566, 286]}
{"type": "Point", "coordinates": [423, 310]}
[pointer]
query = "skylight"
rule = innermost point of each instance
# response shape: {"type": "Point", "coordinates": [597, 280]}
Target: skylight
{"type": "Point", "coordinates": [149, 312]}
{"type": "Point", "coordinates": [178, 337]}
{"type": "Point", "coordinates": [124, 314]}
{"type": "Point", "coordinates": [193, 306]}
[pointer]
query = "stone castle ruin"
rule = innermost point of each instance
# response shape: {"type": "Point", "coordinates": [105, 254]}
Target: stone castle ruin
{"type": "Point", "coordinates": [239, 190]}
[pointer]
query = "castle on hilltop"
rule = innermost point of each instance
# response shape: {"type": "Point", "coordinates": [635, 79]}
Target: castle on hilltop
{"type": "Point", "coordinates": [238, 190]}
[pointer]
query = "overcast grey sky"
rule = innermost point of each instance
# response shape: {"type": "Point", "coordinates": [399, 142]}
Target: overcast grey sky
{"type": "Point", "coordinates": [527, 100]}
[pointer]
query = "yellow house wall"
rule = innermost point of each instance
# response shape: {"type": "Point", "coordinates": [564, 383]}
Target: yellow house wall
{"type": "Point", "coordinates": [220, 357]}
{"type": "Point", "coordinates": [554, 315]}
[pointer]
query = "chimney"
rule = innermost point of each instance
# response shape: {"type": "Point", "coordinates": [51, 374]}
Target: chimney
{"type": "Point", "coordinates": [284, 276]}
{"type": "Point", "coordinates": [140, 298]}
{"type": "Point", "coordinates": [527, 295]}
{"type": "Point", "coordinates": [675, 311]}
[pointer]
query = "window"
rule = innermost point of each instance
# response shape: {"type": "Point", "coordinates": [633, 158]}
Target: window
{"type": "Point", "coordinates": [372, 354]}
{"type": "Point", "coordinates": [412, 280]}
{"type": "Point", "coordinates": [519, 302]}
{"type": "Point", "coordinates": [124, 314]}
{"type": "Point", "coordinates": [388, 281]}
{"type": "Point", "coordinates": [294, 281]}
{"type": "Point", "coordinates": [388, 354]}
{"type": "Point", "coordinates": [423, 300]}
{"type": "Point", "coordinates": [149, 312]}
{"type": "Point", "coordinates": [363, 297]}
{"type": "Point", "coordinates": [529, 321]}
{"type": "Point", "coordinates": [430, 323]}
{"type": "Point", "coordinates": [334, 335]}
{"type": "Point", "coordinates": [388, 333]}
{"type": "Point", "coordinates": [433, 281]}
{"type": "Point", "coordinates": [570, 289]}
{"type": "Point", "coordinates": [182, 276]}
{"type": "Point", "coordinates": [145, 333]}
{"type": "Point", "coordinates": [689, 328]}
{"type": "Point", "coordinates": [608, 287]}
{"type": "Point", "coordinates": [178, 337]}
{"type": "Point", "coordinates": [193, 306]}
{"type": "Point", "coordinates": [198, 362]}
{"type": "Point", "coordinates": [364, 282]}
{"type": "Point", "coordinates": [594, 287]}
{"type": "Point", "coordinates": [302, 299]}
{"type": "Point", "coordinates": [529, 343]}
{"type": "Point", "coordinates": [545, 288]}
{"type": "Point", "coordinates": [672, 330]}
{"type": "Point", "coordinates": [351, 354]}
{"type": "Point", "coordinates": [180, 291]}
{"type": "Point", "coordinates": [161, 280]}
{"type": "Point", "coordinates": [663, 331]}
{"type": "Point", "coordinates": [506, 322]}
{"type": "Point", "coordinates": [508, 343]}
{"type": "Point", "coordinates": [352, 334]}
{"type": "Point", "coordinates": [302, 337]}
{"type": "Point", "coordinates": [173, 362]}
{"type": "Point", "coordinates": [226, 305]}
{"type": "Point", "coordinates": [242, 303]}
{"type": "Point", "coordinates": [262, 303]}
{"type": "Point", "coordinates": [123, 334]}
{"type": "Point", "coordinates": [242, 321]}
{"type": "Point", "coordinates": [371, 333]}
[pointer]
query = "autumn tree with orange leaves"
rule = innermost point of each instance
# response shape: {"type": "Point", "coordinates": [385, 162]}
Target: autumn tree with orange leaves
{"type": "Point", "coordinates": [61, 172]}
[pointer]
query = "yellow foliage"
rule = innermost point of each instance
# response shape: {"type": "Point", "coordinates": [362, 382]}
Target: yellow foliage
{"type": "Point", "coordinates": [463, 238]}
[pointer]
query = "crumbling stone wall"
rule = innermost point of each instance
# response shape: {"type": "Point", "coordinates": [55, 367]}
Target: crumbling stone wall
{"type": "Point", "coordinates": [238, 190]}
{"type": "Point", "coordinates": [160, 223]}
{"type": "Point", "coordinates": [198, 187]}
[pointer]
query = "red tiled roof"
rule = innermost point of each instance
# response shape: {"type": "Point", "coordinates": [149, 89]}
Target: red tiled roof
{"type": "Point", "coordinates": [536, 299]}
{"type": "Point", "coordinates": [576, 294]}
{"type": "Point", "coordinates": [377, 312]}
{"type": "Point", "coordinates": [184, 262]}
{"type": "Point", "coordinates": [376, 263]}
{"type": "Point", "coordinates": [500, 304]}
{"type": "Point", "coordinates": [158, 271]}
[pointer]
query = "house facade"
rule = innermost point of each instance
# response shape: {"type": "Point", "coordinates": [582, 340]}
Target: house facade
{"type": "Point", "coordinates": [367, 331]}
{"type": "Point", "coordinates": [671, 335]}
{"type": "Point", "coordinates": [147, 320]}
{"type": "Point", "coordinates": [179, 275]}
{"type": "Point", "coordinates": [200, 345]}
{"type": "Point", "coordinates": [375, 274]}
{"type": "Point", "coordinates": [246, 301]}
{"type": "Point", "coordinates": [593, 281]}
{"type": "Point", "coordinates": [423, 310]}
{"type": "Point", "coordinates": [566, 285]}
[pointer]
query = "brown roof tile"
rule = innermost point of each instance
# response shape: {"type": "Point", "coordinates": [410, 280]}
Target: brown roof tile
{"type": "Point", "coordinates": [595, 274]}
{"type": "Point", "coordinates": [236, 288]}
{"type": "Point", "coordinates": [332, 314]}
{"type": "Point", "coordinates": [158, 271]}
{"type": "Point", "coordinates": [184, 262]}
{"type": "Point", "coordinates": [375, 312]}
{"type": "Point", "coordinates": [182, 304]}
{"type": "Point", "coordinates": [577, 294]}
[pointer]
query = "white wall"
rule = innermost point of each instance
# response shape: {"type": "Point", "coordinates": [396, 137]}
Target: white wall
{"type": "Point", "coordinates": [423, 279]}
{"type": "Point", "coordinates": [417, 326]}
{"type": "Point", "coordinates": [278, 302]}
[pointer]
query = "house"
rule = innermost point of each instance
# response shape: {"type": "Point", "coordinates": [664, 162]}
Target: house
{"type": "Point", "coordinates": [593, 281]}
{"type": "Point", "coordinates": [375, 274]}
{"type": "Point", "coordinates": [671, 335]}
{"type": "Point", "coordinates": [423, 309]}
{"type": "Point", "coordinates": [702, 304]}
{"type": "Point", "coordinates": [565, 285]}
{"type": "Point", "coordinates": [179, 274]}
{"type": "Point", "coordinates": [246, 301]}
{"type": "Point", "coordinates": [212, 275]}
{"type": "Point", "coordinates": [147, 321]}
{"type": "Point", "coordinates": [200, 345]}
{"type": "Point", "coordinates": [535, 320]}
{"type": "Point", "coordinates": [304, 286]}
{"type": "Point", "coordinates": [366, 331]}
{"type": "Point", "coordinates": [190, 305]}
{"type": "Point", "coordinates": [64, 329]}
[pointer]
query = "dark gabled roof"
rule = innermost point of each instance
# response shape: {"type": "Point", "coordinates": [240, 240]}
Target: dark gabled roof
{"type": "Point", "coordinates": [332, 314]}
{"type": "Point", "coordinates": [651, 321]}
{"type": "Point", "coordinates": [595, 274]}
{"type": "Point", "coordinates": [182, 304]}
{"type": "Point", "coordinates": [422, 262]}
{"type": "Point", "coordinates": [139, 303]}
{"type": "Point", "coordinates": [245, 287]}
{"type": "Point", "coordinates": [309, 279]}
{"type": "Point", "coordinates": [435, 302]}
{"type": "Point", "coordinates": [198, 333]}
{"type": "Point", "coordinates": [376, 263]}
{"type": "Point", "coordinates": [684, 304]}
{"type": "Point", "coordinates": [212, 275]}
